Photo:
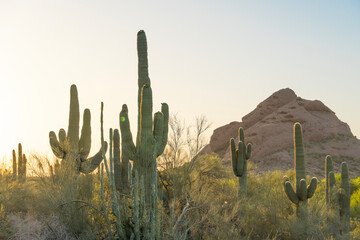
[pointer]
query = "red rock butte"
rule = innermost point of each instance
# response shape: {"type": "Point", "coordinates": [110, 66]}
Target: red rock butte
{"type": "Point", "coordinates": [269, 127]}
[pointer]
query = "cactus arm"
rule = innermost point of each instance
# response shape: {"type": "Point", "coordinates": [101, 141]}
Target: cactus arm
{"type": "Point", "coordinates": [248, 151]}
{"type": "Point", "coordinates": [23, 172]}
{"type": "Point", "coordinates": [158, 131]}
{"type": "Point", "coordinates": [117, 163]}
{"type": "Point", "coordinates": [285, 179]}
{"type": "Point", "coordinates": [14, 167]}
{"type": "Point", "coordinates": [299, 155]}
{"type": "Point", "coordinates": [234, 156]}
{"type": "Point", "coordinates": [165, 126]}
{"type": "Point", "coordinates": [20, 159]}
{"type": "Point", "coordinates": [90, 164]}
{"type": "Point", "coordinates": [74, 119]}
{"type": "Point", "coordinates": [62, 137]}
{"type": "Point", "coordinates": [332, 195]}
{"type": "Point", "coordinates": [85, 138]}
{"type": "Point", "coordinates": [127, 144]}
{"type": "Point", "coordinates": [328, 168]}
{"type": "Point", "coordinates": [332, 180]}
{"type": "Point", "coordinates": [312, 187]}
{"type": "Point", "coordinates": [289, 190]}
{"type": "Point", "coordinates": [120, 165]}
{"type": "Point", "coordinates": [55, 145]}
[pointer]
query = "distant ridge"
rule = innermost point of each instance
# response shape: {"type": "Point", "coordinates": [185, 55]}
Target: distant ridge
{"type": "Point", "coordinates": [269, 128]}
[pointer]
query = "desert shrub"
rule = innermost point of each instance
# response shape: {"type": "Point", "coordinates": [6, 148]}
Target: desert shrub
{"type": "Point", "coordinates": [355, 204]}
{"type": "Point", "coordinates": [198, 200]}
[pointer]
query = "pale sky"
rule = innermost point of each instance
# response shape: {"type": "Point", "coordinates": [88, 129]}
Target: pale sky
{"type": "Point", "coordinates": [217, 58]}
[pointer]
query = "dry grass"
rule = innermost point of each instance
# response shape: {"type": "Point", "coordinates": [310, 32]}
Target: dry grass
{"type": "Point", "coordinates": [44, 206]}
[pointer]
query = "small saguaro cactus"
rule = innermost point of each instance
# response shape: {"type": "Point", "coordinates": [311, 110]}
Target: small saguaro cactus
{"type": "Point", "coordinates": [303, 192]}
{"type": "Point", "coordinates": [239, 159]}
{"type": "Point", "coordinates": [338, 198]}
{"type": "Point", "coordinates": [344, 200]}
{"type": "Point", "coordinates": [152, 133]}
{"type": "Point", "coordinates": [120, 165]}
{"type": "Point", "coordinates": [70, 148]}
{"type": "Point", "coordinates": [19, 167]}
{"type": "Point", "coordinates": [329, 179]}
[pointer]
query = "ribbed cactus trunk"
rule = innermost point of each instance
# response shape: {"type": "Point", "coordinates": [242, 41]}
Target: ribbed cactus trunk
{"type": "Point", "coordinates": [69, 147]}
{"type": "Point", "coordinates": [14, 166]}
{"type": "Point", "coordinates": [328, 168]}
{"type": "Point", "coordinates": [152, 133]}
{"type": "Point", "coordinates": [239, 159]}
{"type": "Point", "coordinates": [303, 192]}
{"type": "Point", "coordinates": [344, 200]}
{"type": "Point", "coordinates": [120, 166]}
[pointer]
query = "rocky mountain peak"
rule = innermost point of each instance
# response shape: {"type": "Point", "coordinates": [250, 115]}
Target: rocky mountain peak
{"type": "Point", "coordinates": [269, 128]}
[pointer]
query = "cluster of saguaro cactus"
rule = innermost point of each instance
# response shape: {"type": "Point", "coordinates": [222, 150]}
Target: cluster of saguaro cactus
{"type": "Point", "coordinates": [239, 159]}
{"type": "Point", "coordinates": [152, 133]}
{"type": "Point", "coordinates": [139, 220]}
{"type": "Point", "coordinates": [70, 148]}
{"type": "Point", "coordinates": [303, 192]}
{"type": "Point", "coordinates": [19, 166]}
{"type": "Point", "coordinates": [338, 199]}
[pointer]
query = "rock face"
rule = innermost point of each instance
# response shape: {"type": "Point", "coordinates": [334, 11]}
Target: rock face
{"type": "Point", "coordinates": [270, 129]}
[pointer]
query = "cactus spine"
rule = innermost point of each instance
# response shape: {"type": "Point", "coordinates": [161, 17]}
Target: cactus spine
{"type": "Point", "coordinates": [19, 167]}
{"type": "Point", "coordinates": [151, 134]}
{"type": "Point", "coordinates": [239, 159]}
{"type": "Point", "coordinates": [303, 192]}
{"type": "Point", "coordinates": [70, 148]}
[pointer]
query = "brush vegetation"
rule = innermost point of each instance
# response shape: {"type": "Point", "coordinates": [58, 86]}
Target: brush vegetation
{"type": "Point", "coordinates": [44, 207]}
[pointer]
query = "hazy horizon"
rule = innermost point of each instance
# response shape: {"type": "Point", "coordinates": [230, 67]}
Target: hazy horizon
{"type": "Point", "coordinates": [218, 59]}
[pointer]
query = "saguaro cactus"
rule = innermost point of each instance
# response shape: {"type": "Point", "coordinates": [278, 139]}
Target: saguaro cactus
{"type": "Point", "coordinates": [152, 134]}
{"type": "Point", "coordinates": [19, 167]}
{"type": "Point", "coordinates": [303, 192]}
{"type": "Point", "coordinates": [120, 165]}
{"type": "Point", "coordinates": [344, 200]}
{"type": "Point", "coordinates": [239, 159]}
{"type": "Point", "coordinates": [338, 198]}
{"type": "Point", "coordinates": [70, 148]}
{"type": "Point", "coordinates": [329, 182]}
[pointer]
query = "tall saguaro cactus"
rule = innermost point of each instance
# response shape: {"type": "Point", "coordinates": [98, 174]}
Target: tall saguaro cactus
{"type": "Point", "coordinates": [239, 159]}
{"type": "Point", "coordinates": [152, 133]}
{"type": "Point", "coordinates": [19, 167]}
{"type": "Point", "coordinates": [303, 192]}
{"type": "Point", "coordinates": [70, 148]}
